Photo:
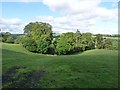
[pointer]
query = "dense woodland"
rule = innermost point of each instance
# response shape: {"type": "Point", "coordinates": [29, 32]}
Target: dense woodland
{"type": "Point", "coordinates": [38, 37]}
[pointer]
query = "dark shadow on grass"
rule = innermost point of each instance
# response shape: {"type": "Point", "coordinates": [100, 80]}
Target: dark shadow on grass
{"type": "Point", "coordinates": [14, 78]}
{"type": "Point", "coordinates": [29, 79]}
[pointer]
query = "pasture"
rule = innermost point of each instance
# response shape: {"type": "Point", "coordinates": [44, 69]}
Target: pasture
{"type": "Point", "coordinates": [91, 69]}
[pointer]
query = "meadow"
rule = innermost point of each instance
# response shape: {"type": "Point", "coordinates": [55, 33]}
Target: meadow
{"type": "Point", "coordinates": [96, 68]}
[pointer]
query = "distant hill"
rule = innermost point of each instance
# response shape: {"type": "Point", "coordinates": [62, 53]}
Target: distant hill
{"type": "Point", "coordinates": [17, 34]}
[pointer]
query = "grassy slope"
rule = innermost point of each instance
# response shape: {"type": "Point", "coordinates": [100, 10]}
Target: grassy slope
{"type": "Point", "coordinates": [94, 68]}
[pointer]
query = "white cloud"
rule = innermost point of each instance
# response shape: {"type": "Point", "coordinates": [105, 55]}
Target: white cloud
{"type": "Point", "coordinates": [105, 30]}
{"type": "Point", "coordinates": [11, 25]}
{"type": "Point", "coordinates": [81, 14]}
{"type": "Point", "coordinates": [67, 23]}
{"type": "Point", "coordinates": [88, 8]}
{"type": "Point", "coordinates": [114, 1]}
{"type": "Point", "coordinates": [107, 14]}
{"type": "Point", "coordinates": [20, 0]}
{"type": "Point", "coordinates": [71, 6]}
{"type": "Point", "coordinates": [13, 21]}
{"type": "Point", "coordinates": [85, 22]}
{"type": "Point", "coordinates": [56, 0]}
{"type": "Point", "coordinates": [75, 14]}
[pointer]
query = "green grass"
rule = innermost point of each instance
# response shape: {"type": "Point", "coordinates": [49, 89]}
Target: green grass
{"type": "Point", "coordinates": [115, 38]}
{"type": "Point", "coordinates": [91, 69]}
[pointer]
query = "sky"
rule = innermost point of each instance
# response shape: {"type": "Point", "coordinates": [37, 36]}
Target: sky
{"type": "Point", "coordinates": [95, 16]}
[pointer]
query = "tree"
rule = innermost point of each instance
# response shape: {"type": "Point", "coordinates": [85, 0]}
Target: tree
{"type": "Point", "coordinates": [87, 41]}
{"type": "Point", "coordinates": [5, 36]}
{"type": "Point", "coordinates": [41, 34]}
{"type": "Point", "coordinates": [42, 45]}
{"type": "Point", "coordinates": [29, 43]}
{"type": "Point", "coordinates": [28, 28]}
{"type": "Point", "coordinates": [99, 41]}
{"type": "Point", "coordinates": [65, 44]}
{"type": "Point", "coordinates": [51, 49]}
{"type": "Point", "coordinates": [10, 39]}
{"type": "Point", "coordinates": [78, 38]}
{"type": "Point", "coordinates": [42, 29]}
{"type": "Point", "coordinates": [78, 41]}
{"type": "Point", "coordinates": [40, 38]}
{"type": "Point", "coordinates": [107, 43]}
{"type": "Point", "coordinates": [18, 40]}
{"type": "Point", "coordinates": [62, 46]}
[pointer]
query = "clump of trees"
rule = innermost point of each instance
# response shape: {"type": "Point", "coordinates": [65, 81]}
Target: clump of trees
{"type": "Point", "coordinates": [7, 37]}
{"type": "Point", "coordinates": [39, 38]}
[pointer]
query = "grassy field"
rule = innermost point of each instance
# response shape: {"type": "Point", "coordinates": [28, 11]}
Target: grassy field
{"type": "Point", "coordinates": [91, 69]}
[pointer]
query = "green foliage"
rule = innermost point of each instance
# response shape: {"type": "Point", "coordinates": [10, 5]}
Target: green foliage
{"type": "Point", "coordinates": [10, 39]}
{"type": "Point", "coordinates": [41, 35]}
{"type": "Point", "coordinates": [5, 36]}
{"type": "Point", "coordinates": [28, 28]}
{"type": "Point", "coordinates": [29, 43]}
{"type": "Point", "coordinates": [99, 41]}
{"type": "Point", "coordinates": [43, 41]}
{"type": "Point", "coordinates": [115, 44]}
{"type": "Point", "coordinates": [42, 45]}
{"type": "Point", "coordinates": [107, 43]}
{"type": "Point", "coordinates": [65, 44]}
{"type": "Point", "coordinates": [42, 29]}
{"type": "Point", "coordinates": [18, 40]}
{"type": "Point", "coordinates": [88, 41]}
{"type": "Point", "coordinates": [0, 39]}
{"type": "Point", "coordinates": [51, 49]}
{"type": "Point", "coordinates": [78, 38]}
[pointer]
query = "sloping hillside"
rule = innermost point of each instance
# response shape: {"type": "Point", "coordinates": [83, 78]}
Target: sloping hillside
{"type": "Point", "coordinates": [91, 69]}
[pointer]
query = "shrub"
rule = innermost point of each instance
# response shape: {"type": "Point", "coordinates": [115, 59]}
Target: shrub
{"type": "Point", "coordinates": [18, 40]}
{"type": "Point", "coordinates": [29, 44]}
{"type": "Point", "coordinates": [10, 39]}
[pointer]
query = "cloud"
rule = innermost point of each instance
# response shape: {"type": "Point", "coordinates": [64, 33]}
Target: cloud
{"type": "Point", "coordinates": [74, 7]}
{"type": "Point", "coordinates": [71, 6]}
{"type": "Point", "coordinates": [85, 22]}
{"type": "Point", "coordinates": [80, 14]}
{"type": "Point", "coordinates": [13, 25]}
{"type": "Point", "coordinates": [105, 30]}
{"type": "Point", "coordinates": [21, 1]}
{"type": "Point", "coordinates": [114, 1]}
{"type": "Point", "coordinates": [67, 23]}
{"type": "Point", "coordinates": [106, 14]}
{"type": "Point", "coordinates": [13, 21]}
{"type": "Point", "coordinates": [75, 14]}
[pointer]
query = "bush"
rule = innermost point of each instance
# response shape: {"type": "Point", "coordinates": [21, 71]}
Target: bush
{"type": "Point", "coordinates": [18, 40]}
{"type": "Point", "coordinates": [0, 39]}
{"type": "Point", "coordinates": [10, 39]}
{"type": "Point", "coordinates": [29, 44]}
{"type": "Point", "coordinates": [51, 49]}
{"type": "Point", "coordinates": [42, 45]}
{"type": "Point", "coordinates": [107, 43]}
{"type": "Point", "coordinates": [5, 36]}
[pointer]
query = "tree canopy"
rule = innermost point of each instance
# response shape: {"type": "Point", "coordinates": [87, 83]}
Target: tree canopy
{"type": "Point", "coordinates": [39, 38]}
{"type": "Point", "coordinates": [40, 34]}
